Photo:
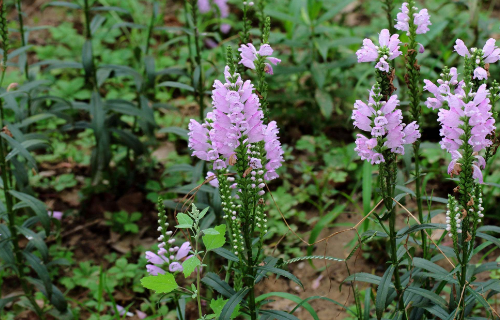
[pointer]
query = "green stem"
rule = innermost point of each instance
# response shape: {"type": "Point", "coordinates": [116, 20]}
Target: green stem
{"type": "Point", "coordinates": [198, 283]}
{"type": "Point", "coordinates": [199, 89]}
{"type": "Point", "coordinates": [88, 36]}
{"type": "Point", "coordinates": [23, 39]}
{"type": "Point", "coordinates": [413, 83]}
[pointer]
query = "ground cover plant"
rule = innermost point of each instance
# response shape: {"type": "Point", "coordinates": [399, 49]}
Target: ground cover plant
{"type": "Point", "coordinates": [215, 159]}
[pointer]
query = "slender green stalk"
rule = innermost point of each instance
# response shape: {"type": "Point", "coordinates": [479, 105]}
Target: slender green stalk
{"type": "Point", "coordinates": [199, 88]}
{"type": "Point", "coordinates": [198, 283]}
{"type": "Point", "coordinates": [22, 32]}
{"type": "Point", "coordinates": [413, 82]}
{"type": "Point", "coordinates": [387, 178]}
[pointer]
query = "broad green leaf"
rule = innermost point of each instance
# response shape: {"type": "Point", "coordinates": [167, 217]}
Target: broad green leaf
{"type": "Point", "coordinates": [185, 222]}
{"type": "Point", "coordinates": [215, 241]}
{"type": "Point", "coordinates": [218, 304]}
{"type": "Point", "coordinates": [190, 265]}
{"type": "Point", "coordinates": [162, 283]}
{"type": "Point", "coordinates": [226, 254]}
{"type": "Point", "coordinates": [211, 231]}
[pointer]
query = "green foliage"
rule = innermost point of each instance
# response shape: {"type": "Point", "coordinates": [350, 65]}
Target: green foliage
{"type": "Point", "coordinates": [123, 222]}
{"type": "Point", "coordinates": [162, 283]}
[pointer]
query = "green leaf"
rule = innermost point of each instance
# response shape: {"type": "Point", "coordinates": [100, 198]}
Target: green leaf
{"type": "Point", "coordinates": [281, 272]}
{"type": "Point", "coordinates": [21, 149]}
{"type": "Point", "coordinates": [211, 231]}
{"type": "Point", "coordinates": [36, 205]}
{"type": "Point", "coordinates": [325, 102]}
{"type": "Point", "coordinates": [214, 281]}
{"type": "Point", "coordinates": [291, 297]}
{"type": "Point", "coordinates": [64, 4]}
{"type": "Point", "coordinates": [217, 306]}
{"type": "Point", "coordinates": [319, 74]}
{"type": "Point", "coordinates": [185, 222]}
{"type": "Point", "coordinates": [215, 241]}
{"type": "Point", "coordinates": [333, 11]}
{"type": "Point", "coordinates": [278, 315]}
{"type": "Point", "coordinates": [181, 132]}
{"type": "Point", "coordinates": [41, 271]}
{"type": "Point", "coordinates": [382, 291]}
{"type": "Point", "coordinates": [226, 254]}
{"type": "Point", "coordinates": [162, 283]}
{"type": "Point", "coordinates": [172, 84]}
{"type": "Point", "coordinates": [87, 58]}
{"type": "Point", "coordinates": [489, 238]}
{"type": "Point", "coordinates": [190, 265]}
{"type": "Point", "coordinates": [435, 298]}
{"type": "Point", "coordinates": [232, 304]}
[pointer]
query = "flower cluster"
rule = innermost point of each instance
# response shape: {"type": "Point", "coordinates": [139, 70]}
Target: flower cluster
{"type": "Point", "coordinates": [387, 50]}
{"type": "Point", "coordinates": [168, 255]}
{"type": "Point", "coordinates": [480, 57]}
{"type": "Point", "coordinates": [384, 122]}
{"type": "Point", "coordinates": [420, 19]}
{"type": "Point", "coordinates": [453, 217]}
{"type": "Point", "coordinates": [204, 7]}
{"type": "Point", "coordinates": [237, 120]}
{"type": "Point", "coordinates": [249, 54]}
{"type": "Point", "coordinates": [470, 110]}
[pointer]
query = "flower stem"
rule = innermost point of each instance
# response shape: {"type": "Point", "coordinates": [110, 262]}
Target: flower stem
{"type": "Point", "coordinates": [199, 81]}
{"type": "Point", "coordinates": [413, 82]}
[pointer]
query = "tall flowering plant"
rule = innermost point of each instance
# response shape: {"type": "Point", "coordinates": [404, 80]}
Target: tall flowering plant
{"type": "Point", "coordinates": [244, 151]}
{"type": "Point", "coordinates": [388, 134]}
{"type": "Point", "coordinates": [467, 125]}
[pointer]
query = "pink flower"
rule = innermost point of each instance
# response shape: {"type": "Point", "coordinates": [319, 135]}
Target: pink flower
{"type": "Point", "coordinates": [122, 311]}
{"type": "Point", "coordinates": [491, 53]}
{"type": "Point", "coordinates": [140, 314]}
{"type": "Point", "coordinates": [388, 50]}
{"type": "Point", "coordinates": [480, 74]}
{"type": "Point", "coordinates": [175, 266]}
{"type": "Point", "coordinates": [214, 182]}
{"type": "Point", "coordinates": [461, 48]}
{"type": "Point", "coordinates": [421, 20]}
{"type": "Point", "coordinates": [155, 259]}
{"type": "Point", "coordinates": [382, 120]}
{"type": "Point", "coordinates": [225, 28]}
{"type": "Point", "coordinates": [204, 6]}
{"type": "Point", "coordinates": [249, 54]}
{"type": "Point", "coordinates": [183, 251]}
{"type": "Point", "coordinates": [154, 270]}
{"type": "Point", "coordinates": [382, 65]}
{"type": "Point", "coordinates": [55, 214]}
